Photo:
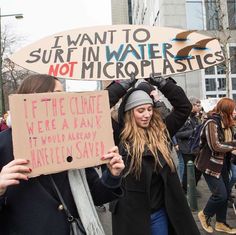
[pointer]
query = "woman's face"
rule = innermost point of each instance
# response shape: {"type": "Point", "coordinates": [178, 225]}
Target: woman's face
{"type": "Point", "coordinates": [58, 86]}
{"type": "Point", "coordinates": [143, 115]}
{"type": "Point", "coordinates": [234, 114]}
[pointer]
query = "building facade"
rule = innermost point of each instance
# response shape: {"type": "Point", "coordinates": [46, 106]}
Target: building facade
{"type": "Point", "coordinates": [216, 18]}
{"type": "Point", "coordinates": [121, 11]}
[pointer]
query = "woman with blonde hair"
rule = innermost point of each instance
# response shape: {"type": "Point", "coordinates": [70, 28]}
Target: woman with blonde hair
{"type": "Point", "coordinates": [214, 161]}
{"type": "Point", "coordinates": [154, 202]}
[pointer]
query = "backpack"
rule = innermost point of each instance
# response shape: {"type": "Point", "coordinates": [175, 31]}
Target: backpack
{"type": "Point", "coordinates": [195, 139]}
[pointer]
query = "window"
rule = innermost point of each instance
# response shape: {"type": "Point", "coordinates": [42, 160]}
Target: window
{"type": "Point", "coordinates": [211, 15]}
{"type": "Point", "coordinates": [210, 70]}
{"type": "Point", "coordinates": [231, 4]}
{"type": "Point", "coordinates": [234, 83]}
{"type": "Point", "coordinates": [222, 95]}
{"type": "Point", "coordinates": [234, 96]}
{"type": "Point", "coordinates": [221, 68]}
{"type": "Point", "coordinates": [232, 52]}
{"type": "Point", "coordinates": [221, 84]}
{"type": "Point", "coordinates": [211, 96]}
{"type": "Point", "coordinates": [130, 11]}
{"type": "Point", "coordinates": [194, 14]}
{"type": "Point", "coordinates": [210, 84]}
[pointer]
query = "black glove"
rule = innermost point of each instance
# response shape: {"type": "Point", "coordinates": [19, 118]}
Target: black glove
{"type": "Point", "coordinates": [159, 81]}
{"type": "Point", "coordinates": [127, 83]}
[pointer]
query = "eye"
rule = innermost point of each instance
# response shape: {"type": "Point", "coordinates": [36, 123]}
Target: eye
{"type": "Point", "coordinates": [141, 110]}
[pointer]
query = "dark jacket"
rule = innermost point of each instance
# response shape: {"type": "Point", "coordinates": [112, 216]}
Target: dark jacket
{"type": "Point", "coordinates": [131, 214]}
{"type": "Point", "coordinates": [185, 132]}
{"type": "Point", "coordinates": [32, 208]}
{"type": "Point", "coordinates": [214, 151]}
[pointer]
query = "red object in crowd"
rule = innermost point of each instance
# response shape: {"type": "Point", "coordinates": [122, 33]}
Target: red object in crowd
{"type": "Point", "coordinates": [3, 125]}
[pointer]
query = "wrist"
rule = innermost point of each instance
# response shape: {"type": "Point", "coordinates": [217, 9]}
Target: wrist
{"type": "Point", "coordinates": [157, 100]}
{"type": "Point", "coordinates": [110, 180]}
{"type": "Point", "coordinates": [124, 83]}
{"type": "Point", "coordinates": [2, 192]}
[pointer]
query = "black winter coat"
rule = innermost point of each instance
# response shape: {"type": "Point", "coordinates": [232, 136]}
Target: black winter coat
{"type": "Point", "coordinates": [32, 209]}
{"type": "Point", "coordinates": [131, 213]}
{"type": "Point", "coordinates": [184, 133]}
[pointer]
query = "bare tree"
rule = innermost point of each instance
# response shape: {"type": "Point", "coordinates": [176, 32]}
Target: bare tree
{"type": "Point", "coordinates": [12, 77]}
{"type": "Point", "coordinates": [11, 73]}
{"type": "Point", "coordinates": [218, 23]}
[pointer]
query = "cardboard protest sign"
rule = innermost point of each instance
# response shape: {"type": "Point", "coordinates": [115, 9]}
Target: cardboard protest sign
{"type": "Point", "coordinates": [59, 131]}
{"type": "Point", "coordinates": [115, 52]}
{"type": "Point", "coordinates": [209, 104]}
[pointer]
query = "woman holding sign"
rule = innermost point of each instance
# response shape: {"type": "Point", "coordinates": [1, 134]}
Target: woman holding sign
{"type": "Point", "coordinates": [154, 202]}
{"type": "Point", "coordinates": [51, 204]}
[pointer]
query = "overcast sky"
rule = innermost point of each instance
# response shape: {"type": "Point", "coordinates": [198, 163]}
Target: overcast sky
{"type": "Point", "coordinates": [46, 17]}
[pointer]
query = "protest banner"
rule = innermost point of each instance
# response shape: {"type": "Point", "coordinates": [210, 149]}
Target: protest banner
{"type": "Point", "coordinates": [59, 131]}
{"type": "Point", "coordinates": [117, 51]}
{"type": "Point", "coordinates": [209, 103]}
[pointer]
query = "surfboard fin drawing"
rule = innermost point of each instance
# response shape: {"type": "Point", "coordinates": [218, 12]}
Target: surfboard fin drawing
{"type": "Point", "coordinates": [182, 36]}
{"type": "Point", "coordinates": [183, 53]}
{"type": "Point", "coordinates": [200, 45]}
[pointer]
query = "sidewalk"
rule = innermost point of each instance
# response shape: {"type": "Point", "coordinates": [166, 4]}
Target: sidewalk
{"type": "Point", "coordinates": [105, 216]}
{"type": "Point", "coordinates": [204, 195]}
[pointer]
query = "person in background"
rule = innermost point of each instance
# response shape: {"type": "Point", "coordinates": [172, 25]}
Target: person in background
{"type": "Point", "coordinates": [232, 181]}
{"type": "Point", "coordinates": [180, 167]}
{"type": "Point", "coordinates": [3, 123]}
{"type": "Point", "coordinates": [154, 202]}
{"type": "Point", "coordinates": [183, 136]}
{"type": "Point", "coordinates": [32, 206]}
{"type": "Point", "coordinates": [213, 161]}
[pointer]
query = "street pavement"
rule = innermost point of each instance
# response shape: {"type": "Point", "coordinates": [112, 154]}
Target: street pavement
{"type": "Point", "coordinates": [204, 194]}
{"type": "Point", "coordinates": [202, 200]}
{"type": "Point", "coordinates": [105, 218]}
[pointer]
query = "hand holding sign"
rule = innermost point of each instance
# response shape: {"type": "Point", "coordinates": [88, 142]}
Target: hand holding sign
{"type": "Point", "coordinates": [12, 173]}
{"type": "Point", "coordinates": [159, 81]}
{"type": "Point", "coordinates": [116, 164]}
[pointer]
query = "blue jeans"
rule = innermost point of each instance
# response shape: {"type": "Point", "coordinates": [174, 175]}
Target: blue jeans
{"type": "Point", "coordinates": [233, 177]}
{"type": "Point", "coordinates": [159, 222]}
{"type": "Point", "coordinates": [217, 203]}
{"type": "Point", "coordinates": [180, 168]}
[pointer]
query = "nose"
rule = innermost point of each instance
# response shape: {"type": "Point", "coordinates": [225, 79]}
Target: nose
{"type": "Point", "coordinates": [147, 114]}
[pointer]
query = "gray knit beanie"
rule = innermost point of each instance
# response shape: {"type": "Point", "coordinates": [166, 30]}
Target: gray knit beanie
{"type": "Point", "coordinates": [137, 98]}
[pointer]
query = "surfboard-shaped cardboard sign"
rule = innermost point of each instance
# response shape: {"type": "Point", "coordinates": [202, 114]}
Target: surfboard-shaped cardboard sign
{"type": "Point", "coordinates": [59, 131]}
{"type": "Point", "coordinates": [116, 52]}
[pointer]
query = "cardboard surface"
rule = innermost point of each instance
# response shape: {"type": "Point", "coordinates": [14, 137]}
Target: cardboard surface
{"type": "Point", "coordinates": [115, 52]}
{"type": "Point", "coordinates": [59, 131]}
{"type": "Point", "coordinates": [209, 104]}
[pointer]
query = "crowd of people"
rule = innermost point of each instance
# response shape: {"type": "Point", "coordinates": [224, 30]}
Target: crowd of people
{"type": "Point", "coordinates": [3, 122]}
{"type": "Point", "coordinates": [145, 187]}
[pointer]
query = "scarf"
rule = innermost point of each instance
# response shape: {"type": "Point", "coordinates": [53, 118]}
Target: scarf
{"type": "Point", "coordinates": [84, 202]}
{"type": "Point", "coordinates": [227, 133]}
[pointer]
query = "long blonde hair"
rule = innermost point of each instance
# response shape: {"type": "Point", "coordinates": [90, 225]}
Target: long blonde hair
{"type": "Point", "coordinates": [136, 139]}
